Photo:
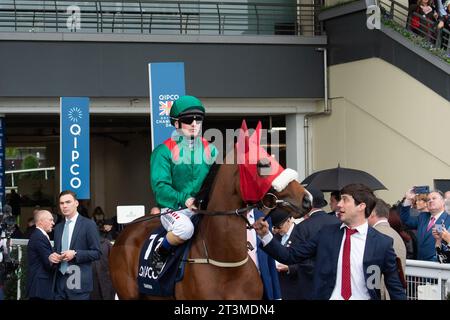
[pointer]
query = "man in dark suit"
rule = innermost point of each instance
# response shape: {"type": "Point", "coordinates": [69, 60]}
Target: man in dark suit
{"type": "Point", "coordinates": [264, 262]}
{"type": "Point", "coordinates": [317, 219]}
{"type": "Point", "coordinates": [77, 245]}
{"type": "Point", "coordinates": [284, 230]}
{"type": "Point", "coordinates": [350, 258]}
{"type": "Point", "coordinates": [425, 222]}
{"type": "Point", "coordinates": [40, 269]}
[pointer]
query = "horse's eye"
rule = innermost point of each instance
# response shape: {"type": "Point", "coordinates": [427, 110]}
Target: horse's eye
{"type": "Point", "coordinates": [263, 163]}
{"type": "Point", "coordinates": [264, 167]}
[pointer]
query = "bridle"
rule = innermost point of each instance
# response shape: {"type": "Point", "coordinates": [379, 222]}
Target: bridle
{"type": "Point", "coordinates": [269, 202]}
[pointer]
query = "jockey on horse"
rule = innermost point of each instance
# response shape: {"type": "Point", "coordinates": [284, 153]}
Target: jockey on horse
{"type": "Point", "coordinates": [178, 168]}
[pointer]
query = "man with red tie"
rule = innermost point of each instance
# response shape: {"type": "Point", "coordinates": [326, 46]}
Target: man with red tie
{"type": "Point", "coordinates": [350, 257]}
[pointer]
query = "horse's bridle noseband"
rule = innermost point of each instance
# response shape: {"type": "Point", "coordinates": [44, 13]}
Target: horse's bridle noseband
{"type": "Point", "coordinates": [270, 201]}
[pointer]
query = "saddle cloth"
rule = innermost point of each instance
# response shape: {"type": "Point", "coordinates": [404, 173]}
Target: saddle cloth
{"type": "Point", "coordinates": [162, 284]}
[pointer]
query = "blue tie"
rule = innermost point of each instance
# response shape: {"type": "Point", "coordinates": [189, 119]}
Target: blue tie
{"type": "Point", "coordinates": [65, 246]}
{"type": "Point", "coordinates": [284, 239]}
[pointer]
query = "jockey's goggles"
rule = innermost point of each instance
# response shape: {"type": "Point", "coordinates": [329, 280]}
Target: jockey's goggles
{"type": "Point", "coordinates": [188, 119]}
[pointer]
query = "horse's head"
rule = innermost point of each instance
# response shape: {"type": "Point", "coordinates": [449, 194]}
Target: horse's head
{"type": "Point", "coordinates": [263, 180]}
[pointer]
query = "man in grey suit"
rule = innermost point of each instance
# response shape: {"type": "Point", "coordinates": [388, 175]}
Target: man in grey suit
{"type": "Point", "coordinates": [77, 245]}
{"type": "Point", "coordinates": [378, 220]}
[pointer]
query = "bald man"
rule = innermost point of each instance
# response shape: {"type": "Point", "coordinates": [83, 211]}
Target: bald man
{"type": "Point", "coordinates": [40, 269]}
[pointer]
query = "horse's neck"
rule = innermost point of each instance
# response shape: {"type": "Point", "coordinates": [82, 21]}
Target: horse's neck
{"type": "Point", "coordinates": [225, 231]}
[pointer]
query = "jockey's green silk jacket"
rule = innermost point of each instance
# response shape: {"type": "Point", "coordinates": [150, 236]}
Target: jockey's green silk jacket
{"type": "Point", "coordinates": [178, 168]}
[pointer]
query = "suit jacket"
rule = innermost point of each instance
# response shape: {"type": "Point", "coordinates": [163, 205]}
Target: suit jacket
{"type": "Point", "coordinates": [399, 249]}
{"type": "Point", "coordinates": [290, 285]}
{"type": "Point", "coordinates": [86, 242]}
{"type": "Point", "coordinates": [267, 269]}
{"type": "Point", "coordinates": [325, 246]}
{"type": "Point", "coordinates": [305, 269]}
{"type": "Point", "coordinates": [425, 240]}
{"type": "Point", "coordinates": [40, 269]}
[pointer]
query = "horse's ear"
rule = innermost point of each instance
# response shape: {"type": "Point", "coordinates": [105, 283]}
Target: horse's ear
{"type": "Point", "coordinates": [243, 139]}
{"type": "Point", "coordinates": [244, 126]}
{"type": "Point", "coordinates": [256, 136]}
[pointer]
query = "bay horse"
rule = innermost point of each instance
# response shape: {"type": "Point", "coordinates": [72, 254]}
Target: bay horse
{"type": "Point", "coordinates": [220, 240]}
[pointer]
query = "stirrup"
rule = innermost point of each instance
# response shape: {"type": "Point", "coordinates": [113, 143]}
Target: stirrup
{"type": "Point", "coordinates": [158, 261]}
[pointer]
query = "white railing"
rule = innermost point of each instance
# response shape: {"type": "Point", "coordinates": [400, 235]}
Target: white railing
{"type": "Point", "coordinates": [13, 172]}
{"type": "Point", "coordinates": [427, 280]}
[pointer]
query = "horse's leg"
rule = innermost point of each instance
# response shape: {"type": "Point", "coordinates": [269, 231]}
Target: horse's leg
{"type": "Point", "coordinates": [125, 265]}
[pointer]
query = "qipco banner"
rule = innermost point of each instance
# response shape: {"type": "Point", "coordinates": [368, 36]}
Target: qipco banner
{"type": "Point", "coordinates": [166, 82]}
{"type": "Point", "coordinates": [74, 140]}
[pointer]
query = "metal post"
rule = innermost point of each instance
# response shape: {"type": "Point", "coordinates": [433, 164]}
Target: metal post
{"type": "Point", "coordinates": [19, 270]}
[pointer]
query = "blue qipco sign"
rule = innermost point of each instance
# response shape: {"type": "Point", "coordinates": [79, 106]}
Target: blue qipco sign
{"type": "Point", "coordinates": [74, 146]}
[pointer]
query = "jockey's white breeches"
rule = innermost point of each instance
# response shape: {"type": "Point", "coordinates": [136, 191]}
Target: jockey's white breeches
{"type": "Point", "coordinates": [179, 222]}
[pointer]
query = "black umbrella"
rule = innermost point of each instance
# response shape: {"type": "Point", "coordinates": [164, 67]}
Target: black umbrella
{"type": "Point", "coordinates": [335, 179]}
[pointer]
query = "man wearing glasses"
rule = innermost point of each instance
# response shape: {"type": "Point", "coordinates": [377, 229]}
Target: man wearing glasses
{"type": "Point", "coordinates": [178, 169]}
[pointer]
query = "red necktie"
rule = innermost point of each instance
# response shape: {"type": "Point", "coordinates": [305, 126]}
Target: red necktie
{"type": "Point", "coordinates": [346, 286]}
{"type": "Point", "coordinates": [430, 224]}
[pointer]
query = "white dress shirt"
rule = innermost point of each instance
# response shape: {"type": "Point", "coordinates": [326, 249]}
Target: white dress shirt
{"type": "Point", "coordinates": [251, 237]}
{"type": "Point", "coordinates": [358, 281]}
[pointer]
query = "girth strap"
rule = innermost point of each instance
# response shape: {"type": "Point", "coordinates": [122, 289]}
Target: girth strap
{"type": "Point", "coordinates": [219, 263]}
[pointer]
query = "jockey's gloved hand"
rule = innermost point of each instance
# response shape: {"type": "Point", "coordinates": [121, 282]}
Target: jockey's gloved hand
{"type": "Point", "coordinates": [190, 203]}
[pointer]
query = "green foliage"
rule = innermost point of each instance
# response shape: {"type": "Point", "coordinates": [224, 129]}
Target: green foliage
{"type": "Point", "coordinates": [416, 39]}
{"type": "Point", "coordinates": [30, 162]}
{"type": "Point", "coordinates": [11, 153]}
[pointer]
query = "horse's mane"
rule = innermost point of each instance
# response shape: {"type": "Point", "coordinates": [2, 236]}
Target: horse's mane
{"type": "Point", "coordinates": [203, 195]}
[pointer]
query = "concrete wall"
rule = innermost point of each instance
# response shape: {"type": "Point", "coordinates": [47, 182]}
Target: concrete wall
{"type": "Point", "coordinates": [385, 122]}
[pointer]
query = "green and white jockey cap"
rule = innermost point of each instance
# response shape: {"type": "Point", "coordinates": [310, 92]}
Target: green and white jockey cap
{"type": "Point", "coordinates": [186, 105]}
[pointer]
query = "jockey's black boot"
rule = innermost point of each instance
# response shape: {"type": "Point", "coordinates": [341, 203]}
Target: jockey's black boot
{"type": "Point", "coordinates": [159, 258]}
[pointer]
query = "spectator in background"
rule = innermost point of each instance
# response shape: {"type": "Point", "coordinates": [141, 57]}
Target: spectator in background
{"type": "Point", "coordinates": [427, 17]}
{"type": "Point", "coordinates": [82, 208]}
{"type": "Point", "coordinates": [425, 221]}
{"type": "Point", "coordinates": [103, 288]}
{"type": "Point", "coordinates": [284, 230]}
{"type": "Point", "coordinates": [98, 215]}
{"type": "Point", "coordinates": [420, 202]}
{"type": "Point", "coordinates": [31, 226]}
{"type": "Point", "coordinates": [317, 219]}
{"type": "Point", "coordinates": [108, 230]}
{"type": "Point", "coordinates": [335, 197]}
{"type": "Point", "coordinates": [378, 220]}
{"type": "Point", "coordinates": [447, 193]}
{"type": "Point", "coordinates": [408, 237]}
{"type": "Point", "coordinates": [442, 238]}
{"type": "Point", "coordinates": [14, 202]}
